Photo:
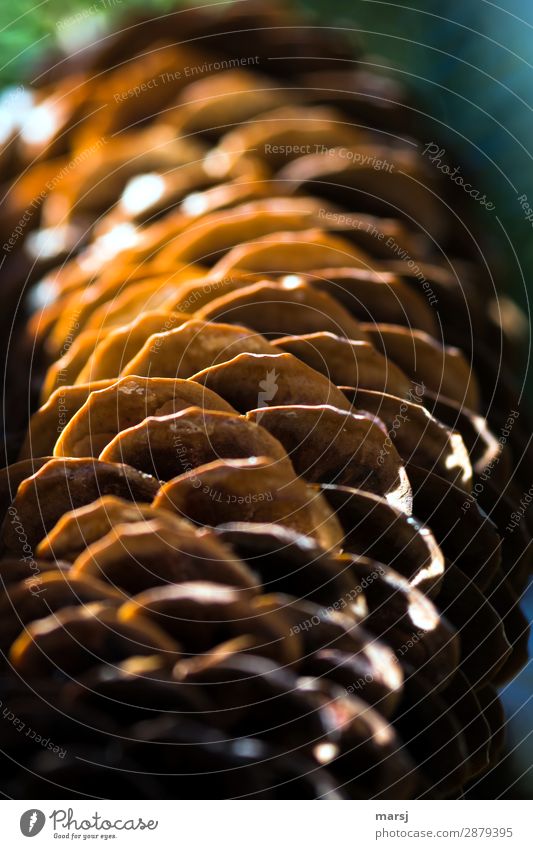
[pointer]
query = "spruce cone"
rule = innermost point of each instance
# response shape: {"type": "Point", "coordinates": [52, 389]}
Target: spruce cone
{"type": "Point", "coordinates": [256, 538]}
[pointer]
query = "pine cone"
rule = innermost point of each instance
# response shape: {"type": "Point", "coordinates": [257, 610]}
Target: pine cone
{"type": "Point", "coordinates": [256, 541]}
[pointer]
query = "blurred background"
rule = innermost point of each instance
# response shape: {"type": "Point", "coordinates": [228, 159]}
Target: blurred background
{"type": "Point", "coordinates": [469, 64]}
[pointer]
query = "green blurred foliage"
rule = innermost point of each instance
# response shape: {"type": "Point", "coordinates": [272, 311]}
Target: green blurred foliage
{"type": "Point", "coordinates": [471, 63]}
